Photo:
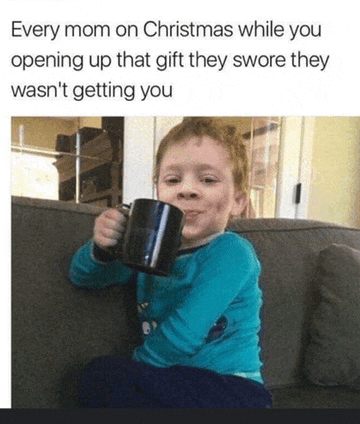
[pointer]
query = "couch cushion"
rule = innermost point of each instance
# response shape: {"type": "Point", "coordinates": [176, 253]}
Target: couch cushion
{"type": "Point", "coordinates": [333, 354]}
{"type": "Point", "coordinates": [308, 396]}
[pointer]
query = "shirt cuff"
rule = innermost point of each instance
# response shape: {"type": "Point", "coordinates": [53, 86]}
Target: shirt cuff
{"type": "Point", "coordinates": [101, 255]}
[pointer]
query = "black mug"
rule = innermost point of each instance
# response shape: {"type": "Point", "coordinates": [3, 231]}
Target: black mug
{"type": "Point", "coordinates": [152, 236]}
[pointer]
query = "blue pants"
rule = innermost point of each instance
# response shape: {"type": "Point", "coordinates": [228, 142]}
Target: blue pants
{"type": "Point", "coordinates": [114, 382]}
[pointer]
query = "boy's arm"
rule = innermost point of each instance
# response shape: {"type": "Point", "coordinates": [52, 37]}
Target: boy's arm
{"type": "Point", "coordinates": [228, 269]}
{"type": "Point", "coordinates": [91, 267]}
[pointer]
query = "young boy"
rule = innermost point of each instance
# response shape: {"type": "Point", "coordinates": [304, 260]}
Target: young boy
{"type": "Point", "coordinates": [200, 343]}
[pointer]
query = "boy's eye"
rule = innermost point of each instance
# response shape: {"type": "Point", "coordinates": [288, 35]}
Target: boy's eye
{"type": "Point", "coordinates": [172, 180]}
{"type": "Point", "coordinates": [209, 180]}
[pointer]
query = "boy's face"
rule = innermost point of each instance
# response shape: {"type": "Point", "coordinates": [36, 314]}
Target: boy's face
{"type": "Point", "coordinates": [196, 175]}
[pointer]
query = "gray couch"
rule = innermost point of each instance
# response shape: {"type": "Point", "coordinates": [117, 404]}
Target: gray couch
{"type": "Point", "coordinates": [57, 328]}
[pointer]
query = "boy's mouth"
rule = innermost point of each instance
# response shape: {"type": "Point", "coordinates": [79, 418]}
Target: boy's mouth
{"type": "Point", "coordinates": [191, 214]}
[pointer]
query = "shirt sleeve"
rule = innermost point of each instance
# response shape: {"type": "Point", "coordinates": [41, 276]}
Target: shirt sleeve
{"type": "Point", "coordinates": [86, 271]}
{"type": "Point", "coordinates": [227, 268]}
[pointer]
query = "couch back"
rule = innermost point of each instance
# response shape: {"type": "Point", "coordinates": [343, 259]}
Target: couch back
{"type": "Point", "coordinates": [57, 327]}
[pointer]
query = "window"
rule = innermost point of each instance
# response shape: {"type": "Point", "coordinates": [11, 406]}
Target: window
{"type": "Point", "coordinates": [68, 158]}
{"type": "Point", "coordinates": [81, 159]}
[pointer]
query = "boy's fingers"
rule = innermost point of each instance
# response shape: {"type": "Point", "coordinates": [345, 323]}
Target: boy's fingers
{"type": "Point", "coordinates": [109, 227]}
{"type": "Point", "coordinates": [105, 242]}
{"type": "Point", "coordinates": [115, 215]}
{"type": "Point", "coordinates": [109, 233]}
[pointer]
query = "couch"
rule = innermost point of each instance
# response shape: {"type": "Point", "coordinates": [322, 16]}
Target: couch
{"type": "Point", "coordinates": [57, 328]}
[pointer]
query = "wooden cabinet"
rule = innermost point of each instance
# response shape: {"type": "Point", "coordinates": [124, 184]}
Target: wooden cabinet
{"type": "Point", "coordinates": [97, 171]}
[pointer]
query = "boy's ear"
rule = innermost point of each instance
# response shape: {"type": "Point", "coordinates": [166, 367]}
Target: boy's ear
{"type": "Point", "coordinates": [240, 203]}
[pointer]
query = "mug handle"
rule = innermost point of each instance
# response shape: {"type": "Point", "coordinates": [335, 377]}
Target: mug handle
{"type": "Point", "coordinates": [123, 208]}
{"type": "Point", "coordinates": [117, 251]}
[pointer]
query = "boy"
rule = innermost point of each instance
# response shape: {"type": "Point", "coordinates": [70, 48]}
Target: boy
{"type": "Point", "coordinates": [200, 325]}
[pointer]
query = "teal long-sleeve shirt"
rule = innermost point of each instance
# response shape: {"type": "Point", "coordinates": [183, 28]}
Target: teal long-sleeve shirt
{"type": "Point", "coordinates": [205, 314]}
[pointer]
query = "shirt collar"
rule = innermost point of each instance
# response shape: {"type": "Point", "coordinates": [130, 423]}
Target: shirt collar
{"type": "Point", "coordinates": [201, 243]}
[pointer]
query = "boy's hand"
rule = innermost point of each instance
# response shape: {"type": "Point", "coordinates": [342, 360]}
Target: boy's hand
{"type": "Point", "coordinates": [109, 228]}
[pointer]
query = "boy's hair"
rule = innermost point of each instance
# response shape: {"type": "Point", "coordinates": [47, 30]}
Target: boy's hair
{"type": "Point", "coordinates": [226, 135]}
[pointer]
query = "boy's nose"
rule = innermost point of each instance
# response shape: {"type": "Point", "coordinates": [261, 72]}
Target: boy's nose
{"type": "Point", "coordinates": [187, 195]}
{"type": "Point", "coordinates": [188, 190]}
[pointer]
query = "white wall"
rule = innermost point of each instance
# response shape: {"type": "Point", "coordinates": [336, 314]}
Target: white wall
{"type": "Point", "coordinates": [335, 188]}
{"type": "Point", "coordinates": [142, 136]}
{"type": "Point", "coordinates": [139, 145]}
